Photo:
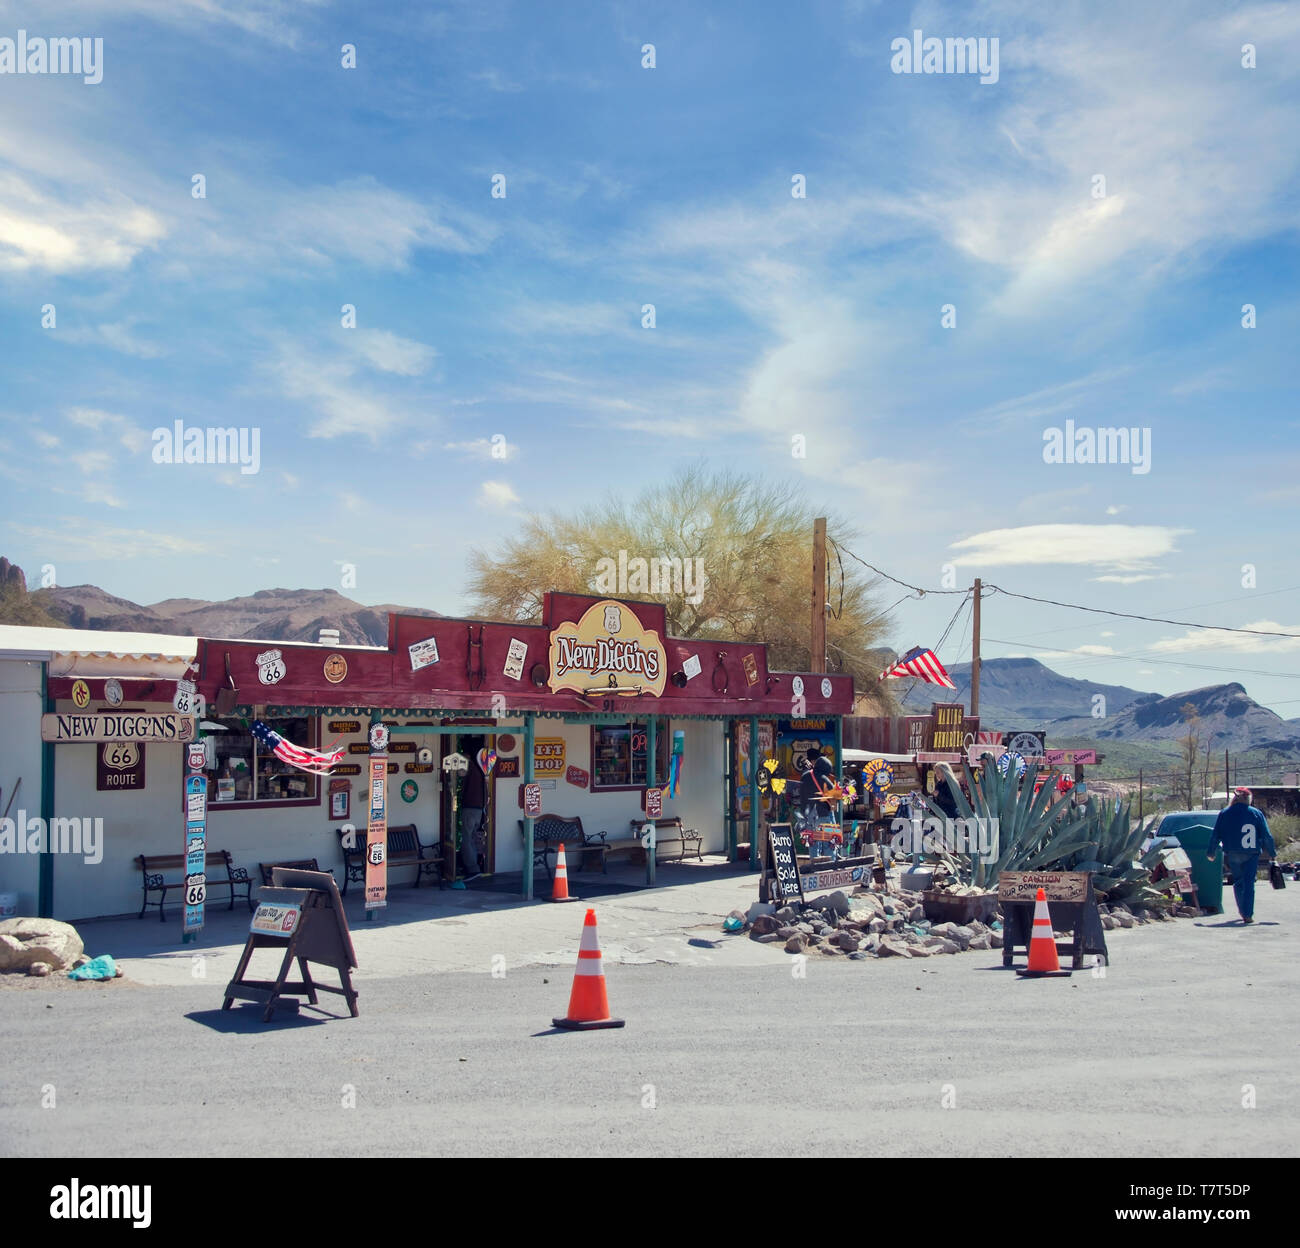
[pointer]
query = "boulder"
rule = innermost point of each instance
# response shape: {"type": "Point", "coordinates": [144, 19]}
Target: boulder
{"type": "Point", "coordinates": [848, 941]}
{"type": "Point", "coordinates": [962, 935]}
{"type": "Point", "coordinates": [995, 940]}
{"type": "Point", "coordinates": [836, 903]}
{"type": "Point", "coordinates": [916, 914]}
{"type": "Point", "coordinates": [921, 951]}
{"type": "Point", "coordinates": [765, 924]}
{"type": "Point", "coordinates": [768, 939]}
{"type": "Point", "coordinates": [39, 968]}
{"type": "Point", "coordinates": [891, 946]}
{"type": "Point", "coordinates": [1108, 922]}
{"type": "Point", "coordinates": [796, 943]}
{"type": "Point", "coordinates": [947, 930]}
{"type": "Point", "coordinates": [859, 956]}
{"type": "Point", "coordinates": [788, 913]}
{"type": "Point", "coordinates": [759, 907]}
{"type": "Point", "coordinates": [983, 940]}
{"type": "Point", "coordinates": [877, 925]}
{"type": "Point", "coordinates": [1124, 919]}
{"type": "Point", "coordinates": [24, 941]}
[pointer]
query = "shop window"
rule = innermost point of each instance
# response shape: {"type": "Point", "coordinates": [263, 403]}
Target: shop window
{"type": "Point", "coordinates": [618, 755]}
{"type": "Point", "coordinates": [245, 771]}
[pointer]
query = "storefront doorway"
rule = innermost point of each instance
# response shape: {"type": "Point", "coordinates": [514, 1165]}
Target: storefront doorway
{"type": "Point", "coordinates": [462, 790]}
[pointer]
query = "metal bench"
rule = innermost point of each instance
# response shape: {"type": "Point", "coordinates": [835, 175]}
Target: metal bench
{"type": "Point", "coordinates": [404, 850]}
{"type": "Point", "coordinates": [152, 867]}
{"type": "Point", "coordinates": [549, 831]}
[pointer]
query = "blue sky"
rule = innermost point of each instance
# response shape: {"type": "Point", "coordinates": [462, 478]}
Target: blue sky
{"type": "Point", "coordinates": [775, 316]}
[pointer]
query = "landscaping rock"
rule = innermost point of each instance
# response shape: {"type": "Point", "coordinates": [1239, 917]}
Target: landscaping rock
{"type": "Point", "coordinates": [848, 942]}
{"type": "Point", "coordinates": [757, 908]}
{"type": "Point", "coordinates": [995, 940]}
{"type": "Point", "coordinates": [796, 944]}
{"type": "Point", "coordinates": [786, 932]}
{"type": "Point", "coordinates": [765, 924]}
{"type": "Point", "coordinates": [39, 969]}
{"type": "Point", "coordinates": [24, 941]}
{"type": "Point", "coordinates": [877, 925]}
{"type": "Point", "coordinates": [916, 914]}
{"type": "Point", "coordinates": [891, 946]}
{"type": "Point", "coordinates": [984, 940]}
{"type": "Point", "coordinates": [768, 939]}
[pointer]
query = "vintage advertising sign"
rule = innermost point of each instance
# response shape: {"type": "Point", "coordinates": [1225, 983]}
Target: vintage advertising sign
{"type": "Point", "coordinates": [949, 726]}
{"type": "Point", "coordinates": [377, 835]}
{"type": "Point", "coordinates": [343, 726]}
{"type": "Point", "coordinates": [270, 667]}
{"type": "Point", "coordinates": [276, 919]}
{"type": "Point", "coordinates": [117, 726]}
{"type": "Point", "coordinates": [532, 799]}
{"type": "Point", "coordinates": [196, 842]}
{"type": "Point", "coordinates": [80, 694]}
{"type": "Point", "coordinates": [607, 649]}
{"type": "Point", "coordinates": [750, 664]}
{"type": "Point", "coordinates": [119, 767]}
{"type": "Point", "coordinates": [1057, 758]}
{"type": "Point", "coordinates": [515, 656]}
{"type": "Point", "coordinates": [653, 803]}
{"type": "Point", "coordinates": [548, 756]}
{"type": "Point", "coordinates": [577, 776]}
{"type": "Point", "coordinates": [423, 653]}
{"type": "Point", "coordinates": [1057, 885]}
{"type": "Point", "coordinates": [507, 768]}
{"type": "Point", "coordinates": [1027, 744]}
{"type": "Point", "coordinates": [782, 862]}
{"type": "Point", "coordinates": [844, 877]}
{"type": "Point", "coordinates": [335, 668]}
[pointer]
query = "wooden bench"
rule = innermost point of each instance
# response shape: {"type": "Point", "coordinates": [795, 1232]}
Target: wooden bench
{"type": "Point", "coordinates": [404, 850]}
{"type": "Point", "coordinates": [152, 867]}
{"type": "Point", "coordinates": [550, 831]}
{"type": "Point", "coordinates": [299, 864]}
{"type": "Point", "coordinates": [677, 835]}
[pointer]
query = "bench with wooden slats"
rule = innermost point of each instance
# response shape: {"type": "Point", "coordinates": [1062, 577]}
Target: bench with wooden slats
{"type": "Point", "coordinates": [152, 867]}
{"type": "Point", "coordinates": [404, 850]}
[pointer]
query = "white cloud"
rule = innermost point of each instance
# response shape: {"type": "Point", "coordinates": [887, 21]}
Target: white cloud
{"type": "Point", "coordinates": [497, 494]}
{"type": "Point", "coordinates": [1115, 508]}
{"type": "Point", "coordinates": [1125, 548]}
{"type": "Point", "coordinates": [84, 538]}
{"type": "Point", "coordinates": [39, 231]}
{"type": "Point", "coordinates": [390, 354]}
{"type": "Point", "coordinates": [1236, 643]}
{"type": "Point", "coordinates": [116, 336]}
{"type": "Point", "coordinates": [125, 432]}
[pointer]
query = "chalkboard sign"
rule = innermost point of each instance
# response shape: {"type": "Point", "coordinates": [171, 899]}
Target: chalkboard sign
{"type": "Point", "coordinates": [782, 862]}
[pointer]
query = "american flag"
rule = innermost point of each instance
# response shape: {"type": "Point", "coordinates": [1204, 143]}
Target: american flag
{"type": "Point", "coordinates": [923, 664]}
{"type": "Point", "coordinates": [296, 755]}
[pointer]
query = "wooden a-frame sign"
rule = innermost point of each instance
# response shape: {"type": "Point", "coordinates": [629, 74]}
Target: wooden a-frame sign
{"type": "Point", "coordinates": [301, 914]}
{"type": "Point", "coordinates": [1071, 903]}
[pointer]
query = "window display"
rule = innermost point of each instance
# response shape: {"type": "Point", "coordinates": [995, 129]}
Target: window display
{"type": "Point", "coordinates": [618, 755]}
{"type": "Point", "coordinates": [247, 772]}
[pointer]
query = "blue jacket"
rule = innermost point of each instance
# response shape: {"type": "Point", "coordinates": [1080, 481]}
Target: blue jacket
{"type": "Point", "coordinates": [1232, 823]}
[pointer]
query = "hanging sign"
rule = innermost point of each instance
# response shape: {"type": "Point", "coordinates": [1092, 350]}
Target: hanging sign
{"type": "Point", "coordinates": [377, 835]}
{"type": "Point", "coordinates": [196, 842]}
{"type": "Point", "coordinates": [506, 768]}
{"type": "Point", "coordinates": [607, 649]}
{"type": "Point", "coordinates": [532, 800]}
{"type": "Point", "coordinates": [117, 726]}
{"type": "Point", "coordinates": [577, 776]}
{"type": "Point", "coordinates": [652, 802]}
{"type": "Point", "coordinates": [455, 762]}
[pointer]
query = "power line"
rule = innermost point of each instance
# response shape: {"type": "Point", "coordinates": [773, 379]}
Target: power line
{"type": "Point", "coordinates": [1071, 606]}
{"type": "Point", "coordinates": [1140, 656]}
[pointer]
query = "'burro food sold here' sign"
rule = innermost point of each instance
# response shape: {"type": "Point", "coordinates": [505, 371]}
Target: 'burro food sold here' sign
{"type": "Point", "coordinates": [116, 726]}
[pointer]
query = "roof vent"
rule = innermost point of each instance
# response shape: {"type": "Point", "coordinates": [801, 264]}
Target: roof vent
{"type": "Point", "coordinates": [328, 637]}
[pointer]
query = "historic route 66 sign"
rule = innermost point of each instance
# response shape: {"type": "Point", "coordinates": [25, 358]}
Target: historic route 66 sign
{"type": "Point", "coordinates": [378, 738]}
{"type": "Point", "coordinates": [613, 619]}
{"type": "Point", "coordinates": [375, 853]}
{"type": "Point", "coordinates": [187, 701]}
{"type": "Point", "coordinates": [196, 755]}
{"type": "Point", "coordinates": [270, 667]}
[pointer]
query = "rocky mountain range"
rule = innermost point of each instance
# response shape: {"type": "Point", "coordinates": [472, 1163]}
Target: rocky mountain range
{"type": "Point", "coordinates": [272, 614]}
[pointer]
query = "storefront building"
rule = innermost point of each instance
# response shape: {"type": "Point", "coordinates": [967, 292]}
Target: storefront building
{"type": "Point", "coordinates": [596, 704]}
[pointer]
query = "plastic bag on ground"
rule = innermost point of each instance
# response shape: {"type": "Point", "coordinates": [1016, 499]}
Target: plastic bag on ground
{"type": "Point", "coordinates": [102, 967]}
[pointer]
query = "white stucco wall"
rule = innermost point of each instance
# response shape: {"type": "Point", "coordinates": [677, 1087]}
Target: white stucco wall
{"type": "Point", "coordinates": [20, 758]}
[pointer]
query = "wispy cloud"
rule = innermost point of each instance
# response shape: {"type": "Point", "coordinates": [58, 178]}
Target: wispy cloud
{"type": "Point", "coordinates": [1124, 548]}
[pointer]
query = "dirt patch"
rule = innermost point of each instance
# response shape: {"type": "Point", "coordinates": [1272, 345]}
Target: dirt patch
{"type": "Point", "coordinates": [57, 981]}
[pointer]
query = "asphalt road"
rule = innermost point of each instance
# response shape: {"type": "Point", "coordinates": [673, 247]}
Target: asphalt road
{"type": "Point", "coordinates": [1156, 1057]}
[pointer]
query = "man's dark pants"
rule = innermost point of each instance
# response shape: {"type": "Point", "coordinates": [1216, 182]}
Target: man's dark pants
{"type": "Point", "coordinates": [1244, 867]}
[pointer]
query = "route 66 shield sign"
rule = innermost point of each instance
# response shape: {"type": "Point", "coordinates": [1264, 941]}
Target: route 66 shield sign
{"type": "Point", "coordinates": [375, 853]}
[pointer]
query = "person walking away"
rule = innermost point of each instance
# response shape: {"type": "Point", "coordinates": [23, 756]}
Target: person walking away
{"type": "Point", "coordinates": [1243, 832]}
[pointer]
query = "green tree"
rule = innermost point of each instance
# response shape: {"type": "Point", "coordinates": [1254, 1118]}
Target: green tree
{"type": "Point", "coordinates": [751, 540]}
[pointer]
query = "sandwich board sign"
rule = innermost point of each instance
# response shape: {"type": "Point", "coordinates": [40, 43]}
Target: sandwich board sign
{"type": "Point", "coordinates": [781, 861]}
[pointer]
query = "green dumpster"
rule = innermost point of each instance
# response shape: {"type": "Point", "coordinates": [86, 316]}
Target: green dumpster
{"type": "Point", "coordinates": [1193, 829]}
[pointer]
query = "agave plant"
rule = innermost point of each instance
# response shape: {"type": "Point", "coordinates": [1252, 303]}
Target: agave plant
{"type": "Point", "coordinates": [1035, 832]}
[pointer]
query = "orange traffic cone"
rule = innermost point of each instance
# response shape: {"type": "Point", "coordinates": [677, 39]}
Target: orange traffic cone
{"type": "Point", "coordinates": [588, 1004]}
{"type": "Point", "coordinates": [1043, 961]}
{"type": "Point", "coordinates": [560, 888]}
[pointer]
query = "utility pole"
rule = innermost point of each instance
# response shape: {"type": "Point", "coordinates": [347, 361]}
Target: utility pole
{"type": "Point", "coordinates": [817, 644]}
{"type": "Point", "coordinates": [975, 655]}
{"type": "Point", "coordinates": [1139, 795]}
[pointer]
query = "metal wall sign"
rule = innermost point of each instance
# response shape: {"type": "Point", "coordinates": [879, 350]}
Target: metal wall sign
{"type": "Point", "coordinates": [117, 726]}
{"type": "Point", "coordinates": [119, 767]}
{"type": "Point", "coordinates": [196, 841]}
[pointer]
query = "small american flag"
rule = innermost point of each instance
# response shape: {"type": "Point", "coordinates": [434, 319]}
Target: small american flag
{"type": "Point", "coordinates": [924, 665]}
{"type": "Point", "coordinates": [296, 755]}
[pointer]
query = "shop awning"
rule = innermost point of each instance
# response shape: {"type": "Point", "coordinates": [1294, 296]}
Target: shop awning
{"type": "Point", "coordinates": [85, 652]}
